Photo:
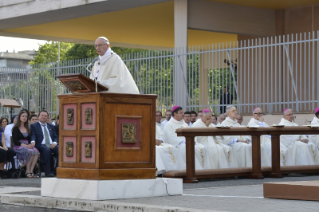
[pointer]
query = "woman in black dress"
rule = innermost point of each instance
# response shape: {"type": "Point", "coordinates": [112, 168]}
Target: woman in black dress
{"type": "Point", "coordinates": [26, 152]}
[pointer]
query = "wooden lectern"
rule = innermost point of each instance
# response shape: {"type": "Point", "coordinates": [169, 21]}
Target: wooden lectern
{"type": "Point", "coordinates": [105, 136]}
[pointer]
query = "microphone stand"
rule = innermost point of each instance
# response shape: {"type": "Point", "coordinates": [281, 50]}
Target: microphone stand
{"type": "Point", "coordinates": [95, 78]}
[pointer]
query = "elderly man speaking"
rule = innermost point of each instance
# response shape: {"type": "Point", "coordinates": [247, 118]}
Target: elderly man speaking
{"type": "Point", "coordinates": [110, 71]}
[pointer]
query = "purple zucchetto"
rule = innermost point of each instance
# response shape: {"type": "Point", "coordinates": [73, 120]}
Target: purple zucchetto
{"type": "Point", "coordinates": [174, 108]}
{"type": "Point", "coordinates": [317, 110]}
{"type": "Point", "coordinates": [206, 111]}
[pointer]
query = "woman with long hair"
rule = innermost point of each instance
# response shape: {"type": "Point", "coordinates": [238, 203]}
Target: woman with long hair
{"type": "Point", "coordinates": [26, 152]}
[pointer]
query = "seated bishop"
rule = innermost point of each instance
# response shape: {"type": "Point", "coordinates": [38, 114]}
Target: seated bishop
{"type": "Point", "coordinates": [168, 157]}
{"type": "Point", "coordinates": [315, 122]}
{"type": "Point", "coordinates": [265, 140]}
{"type": "Point", "coordinates": [220, 155]}
{"type": "Point", "coordinates": [241, 145]}
{"type": "Point", "coordinates": [300, 150]}
{"type": "Point", "coordinates": [170, 136]}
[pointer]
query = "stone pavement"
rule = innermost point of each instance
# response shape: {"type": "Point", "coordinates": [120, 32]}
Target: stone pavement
{"type": "Point", "coordinates": [214, 195]}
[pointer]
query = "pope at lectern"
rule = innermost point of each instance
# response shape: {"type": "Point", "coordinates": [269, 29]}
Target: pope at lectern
{"type": "Point", "coordinates": [110, 71]}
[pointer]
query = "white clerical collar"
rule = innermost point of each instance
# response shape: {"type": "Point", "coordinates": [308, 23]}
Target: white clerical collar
{"type": "Point", "coordinates": [286, 121]}
{"type": "Point", "coordinates": [106, 56]}
{"type": "Point", "coordinates": [175, 121]}
{"type": "Point", "coordinates": [231, 120]}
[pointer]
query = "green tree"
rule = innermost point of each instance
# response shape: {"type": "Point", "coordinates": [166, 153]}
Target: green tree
{"type": "Point", "coordinates": [48, 52]}
{"type": "Point", "coordinates": [81, 51]}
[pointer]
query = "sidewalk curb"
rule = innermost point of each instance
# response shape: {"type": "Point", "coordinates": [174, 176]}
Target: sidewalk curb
{"type": "Point", "coordinates": [83, 205]}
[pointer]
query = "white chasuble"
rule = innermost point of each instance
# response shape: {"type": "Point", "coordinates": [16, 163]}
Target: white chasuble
{"type": "Point", "coordinates": [314, 138]}
{"type": "Point", "coordinates": [168, 157]}
{"type": "Point", "coordinates": [242, 151]}
{"type": "Point", "coordinates": [265, 145]}
{"type": "Point", "coordinates": [220, 155]}
{"type": "Point", "coordinates": [299, 153]}
{"type": "Point", "coordinates": [114, 75]}
{"type": "Point", "coordinates": [170, 136]}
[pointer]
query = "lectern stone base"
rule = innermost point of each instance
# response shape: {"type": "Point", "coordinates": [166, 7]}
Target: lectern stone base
{"type": "Point", "coordinates": [110, 189]}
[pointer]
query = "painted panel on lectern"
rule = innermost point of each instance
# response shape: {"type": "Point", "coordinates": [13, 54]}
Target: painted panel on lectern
{"type": "Point", "coordinates": [128, 129]}
{"type": "Point", "coordinates": [88, 148]}
{"type": "Point", "coordinates": [75, 85]}
{"type": "Point", "coordinates": [69, 149]}
{"type": "Point", "coordinates": [88, 116]}
{"type": "Point", "coordinates": [69, 117]}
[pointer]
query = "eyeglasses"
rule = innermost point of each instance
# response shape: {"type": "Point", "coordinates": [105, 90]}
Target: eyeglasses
{"type": "Point", "coordinates": [99, 45]}
{"type": "Point", "coordinates": [259, 113]}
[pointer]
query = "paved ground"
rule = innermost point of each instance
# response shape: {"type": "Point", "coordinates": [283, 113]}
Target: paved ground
{"type": "Point", "coordinates": [214, 195]}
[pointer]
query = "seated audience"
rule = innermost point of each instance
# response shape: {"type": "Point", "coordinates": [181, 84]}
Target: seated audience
{"type": "Point", "coordinates": [214, 120]}
{"type": "Point", "coordinates": [33, 118]}
{"type": "Point", "coordinates": [168, 116]}
{"type": "Point", "coordinates": [193, 117]}
{"type": "Point", "coordinates": [221, 118]}
{"type": "Point", "coordinates": [44, 137]}
{"type": "Point", "coordinates": [167, 156]}
{"type": "Point", "coordinates": [170, 136]}
{"type": "Point", "coordinates": [8, 131]}
{"type": "Point", "coordinates": [300, 150]}
{"type": "Point", "coordinates": [27, 154]}
{"type": "Point", "coordinates": [158, 118]}
{"type": "Point", "coordinates": [240, 119]}
{"type": "Point", "coordinates": [315, 122]}
{"type": "Point", "coordinates": [187, 118]}
{"type": "Point", "coordinates": [220, 155]}
{"type": "Point", "coordinates": [6, 155]}
{"type": "Point", "coordinates": [200, 115]}
{"type": "Point", "coordinates": [240, 144]}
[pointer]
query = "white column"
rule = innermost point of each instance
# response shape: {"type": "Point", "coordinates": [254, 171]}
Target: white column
{"type": "Point", "coordinates": [180, 38]}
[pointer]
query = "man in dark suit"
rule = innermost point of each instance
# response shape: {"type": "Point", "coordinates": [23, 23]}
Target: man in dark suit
{"type": "Point", "coordinates": [225, 99]}
{"type": "Point", "coordinates": [44, 137]}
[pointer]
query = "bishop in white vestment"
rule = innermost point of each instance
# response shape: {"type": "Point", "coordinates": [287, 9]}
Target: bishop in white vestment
{"type": "Point", "coordinates": [241, 145]}
{"type": "Point", "coordinates": [315, 122]}
{"type": "Point", "coordinates": [300, 150]}
{"type": "Point", "coordinates": [170, 136]}
{"type": "Point", "coordinates": [168, 157]}
{"type": "Point", "coordinates": [265, 140]}
{"type": "Point", "coordinates": [220, 155]}
{"type": "Point", "coordinates": [110, 71]}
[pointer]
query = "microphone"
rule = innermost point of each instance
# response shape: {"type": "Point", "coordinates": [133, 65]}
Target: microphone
{"type": "Point", "coordinates": [93, 61]}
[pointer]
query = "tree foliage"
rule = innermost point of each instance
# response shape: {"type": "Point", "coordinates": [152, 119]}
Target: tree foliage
{"type": "Point", "coordinates": [48, 52]}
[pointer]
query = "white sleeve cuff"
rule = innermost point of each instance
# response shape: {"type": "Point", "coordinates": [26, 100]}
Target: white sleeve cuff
{"type": "Point", "coordinates": [54, 143]}
{"type": "Point", "coordinates": [233, 141]}
{"type": "Point", "coordinates": [182, 142]}
{"type": "Point", "coordinates": [32, 142]}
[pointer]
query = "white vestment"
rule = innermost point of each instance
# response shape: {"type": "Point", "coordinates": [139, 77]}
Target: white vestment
{"type": "Point", "coordinates": [220, 155]}
{"type": "Point", "coordinates": [314, 138]}
{"type": "Point", "coordinates": [163, 124]}
{"type": "Point", "coordinates": [242, 151]}
{"type": "Point", "coordinates": [8, 134]}
{"type": "Point", "coordinates": [299, 153]}
{"type": "Point", "coordinates": [113, 74]}
{"type": "Point", "coordinates": [170, 136]}
{"type": "Point", "coordinates": [159, 124]}
{"type": "Point", "coordinates": [265, 144]}
{"type": "Point", "coordinates": [167, 156]}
